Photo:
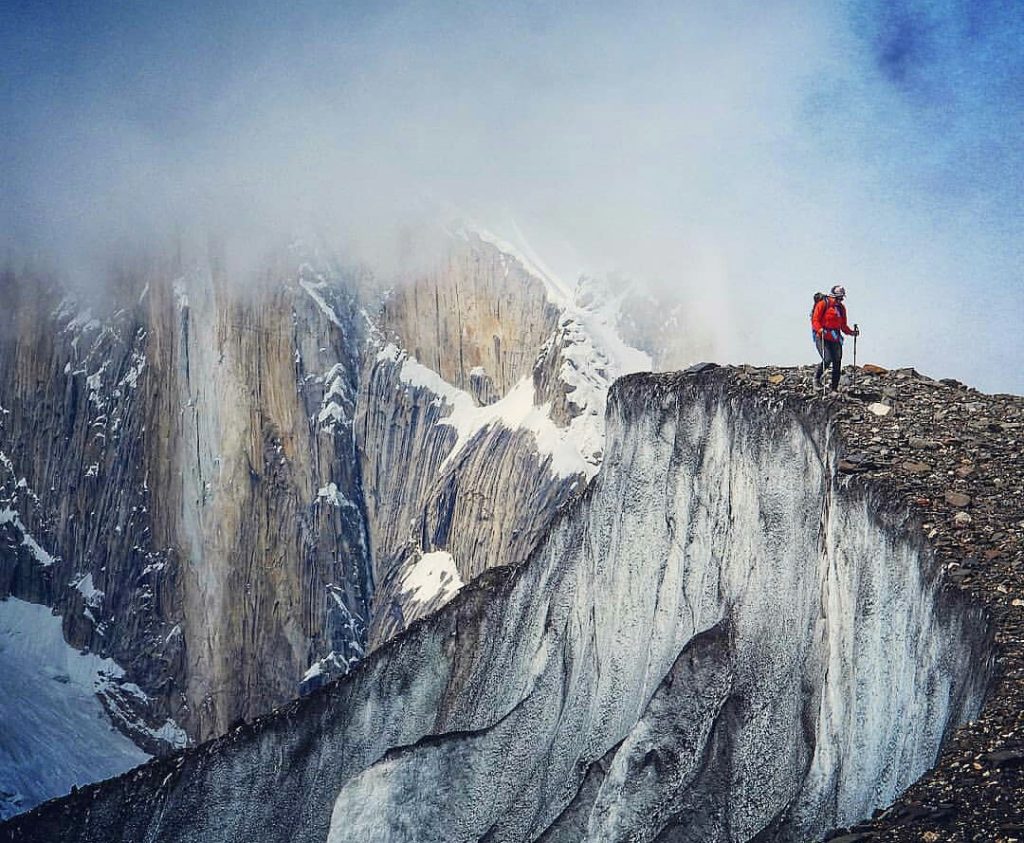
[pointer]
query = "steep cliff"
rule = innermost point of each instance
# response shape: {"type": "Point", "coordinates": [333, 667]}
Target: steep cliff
{"type": "Point", "coordinates": [477, 319]}
{"type": "Point", "coordinates": [180, 485]}
{"type": "Point", "coordinates": [229, 469]}
{"type": "Point", "coordinates": [480, 417]}
{"type": "Point", "coordinates": [724, 638]}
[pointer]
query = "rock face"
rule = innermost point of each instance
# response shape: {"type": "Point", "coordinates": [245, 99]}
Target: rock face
{"type": "Point", "coordinates": [479, 418]}
{"type": "Point", "coordinates": [446, 475]}
{"type": "Point", "coordinates": [190, 460]}
{"type": "Point", "coordinates": [723, 639]}
{"type": "Point", "coordinates": [477, 320]}
{"type": "Point", "coordinates": [229, 490]}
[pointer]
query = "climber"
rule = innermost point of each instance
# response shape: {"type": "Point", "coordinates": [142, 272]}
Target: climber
{"type": "Point", "coordinates": [828, 322]}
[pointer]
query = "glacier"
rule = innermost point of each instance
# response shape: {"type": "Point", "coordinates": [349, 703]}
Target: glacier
{"type": "Point", "coordinates": [721, 639]}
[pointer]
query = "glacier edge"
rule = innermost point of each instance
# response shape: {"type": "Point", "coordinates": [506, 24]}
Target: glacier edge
{"type": "Point", "coordinates": [702, 557]}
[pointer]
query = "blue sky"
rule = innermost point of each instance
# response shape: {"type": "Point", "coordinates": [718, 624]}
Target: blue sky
{"type": "Point", "coordinates": [737, 157]}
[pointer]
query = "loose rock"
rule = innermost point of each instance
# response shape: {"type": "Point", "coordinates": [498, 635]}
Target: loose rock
{"type": "Point", "coordinates": [916, 468]}
{"type": "Point", "coordinates": [958, 499]}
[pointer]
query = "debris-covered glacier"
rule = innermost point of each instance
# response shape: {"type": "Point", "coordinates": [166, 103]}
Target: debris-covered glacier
{"type": "Point", "coordinates": [721, 640]}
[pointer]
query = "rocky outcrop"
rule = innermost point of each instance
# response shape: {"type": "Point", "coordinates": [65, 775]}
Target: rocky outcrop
{"type": "Point", "coordinates": [187, 465]}
{"type": "Point", "coordinates": [725, 638]}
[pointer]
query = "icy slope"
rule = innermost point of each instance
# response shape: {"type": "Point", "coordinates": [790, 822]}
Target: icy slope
{"type": "Point", "coordinates": [55, 732]}
{"type": "Point", "coordinates": [720, 641]}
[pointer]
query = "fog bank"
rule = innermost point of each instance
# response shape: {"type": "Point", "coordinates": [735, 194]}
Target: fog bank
{"type": "Point", "coordinates": [736, 158]}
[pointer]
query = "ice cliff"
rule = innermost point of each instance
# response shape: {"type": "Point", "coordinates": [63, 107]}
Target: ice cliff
{"type": "Point", "coordinates": [722, 639]}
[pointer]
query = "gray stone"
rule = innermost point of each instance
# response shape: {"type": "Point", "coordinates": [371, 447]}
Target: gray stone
{"type": "Point", "coordinates": [957, 499]}
{"type": "Point", "coordinates": [916, 467]}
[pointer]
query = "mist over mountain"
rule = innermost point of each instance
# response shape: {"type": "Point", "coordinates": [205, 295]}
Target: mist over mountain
{"type": "Point", "coordinates": [733, 159]}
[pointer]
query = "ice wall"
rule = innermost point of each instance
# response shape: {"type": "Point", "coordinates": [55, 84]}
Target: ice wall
{"type": "Point", "coordinates": [721, 641]}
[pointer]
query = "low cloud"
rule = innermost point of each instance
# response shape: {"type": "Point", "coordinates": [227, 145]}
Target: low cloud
{"type": "Point", "coordinates": [734, 157]}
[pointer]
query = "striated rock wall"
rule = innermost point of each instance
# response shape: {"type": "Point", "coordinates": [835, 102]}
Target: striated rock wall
{"type": "Point", "coordinates": [480, 330]}
{"type": "Point", "coordinates": [485, 494]}
{"type": "Point", "coordinates": [74, 487]}
{"type": "Point", "coordinates": [193, 455]}
{"type": "Point", "coordinates": [724, 639]}
{"type": "Point", "coordinates": [478, 319]}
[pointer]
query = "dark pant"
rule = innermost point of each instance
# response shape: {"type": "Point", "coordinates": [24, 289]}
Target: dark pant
{"type": "Point", "coordinates": [831, 355]}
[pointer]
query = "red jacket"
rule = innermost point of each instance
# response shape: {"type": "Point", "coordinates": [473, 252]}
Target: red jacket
{"type": "Point", "coordinates": [830, 315]}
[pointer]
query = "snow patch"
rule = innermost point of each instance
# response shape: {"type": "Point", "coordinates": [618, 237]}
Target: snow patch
{"type": "Point", "coordinates": [55, 731]}
{"type": "Point", "coordinates": [328, 665]}
{"type": "Point", "coordinates": [391, 353]}
{"type": "Point", "coordinates": [83, 321]}
{"type": "Point", "coordinates": [93, 596]}
{"type": "Point", "coordinates": [180, 294]}
{"type": "Point", "coordinates": [131, 377]}
{"type": "Point", "coordinates": [332, 495]}
{"type": "Point", "coordinates": [113, 694]}
{"type": "Point", "coordinates": [515, 411]}
{"type": "Point", "coordinates": [433, 575]}
{"type": "Point", "coordinates": [313, 289]}
{"type": "Point", "coordinates": [332, 412]}
{"type": "Point", "coordinates": [9, 516]}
